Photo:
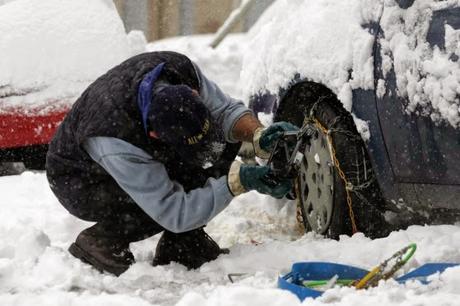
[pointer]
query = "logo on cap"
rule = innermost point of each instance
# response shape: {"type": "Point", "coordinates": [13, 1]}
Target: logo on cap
{"type": "Point", "coordinates": [197, 138]}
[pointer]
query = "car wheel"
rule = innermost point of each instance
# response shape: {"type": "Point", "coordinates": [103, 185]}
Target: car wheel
{"type": "Point", "coordinates": [11, 168]}
{"type": "Point", "coordinates": [35, 164]}
{"type": "Point", "coordinates": [33, 157]}
{"type": "Point", "coordinates": [335, 158]}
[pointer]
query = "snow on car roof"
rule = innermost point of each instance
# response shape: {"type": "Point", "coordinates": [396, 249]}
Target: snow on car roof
{"type": "Point", "coordinates": [324, 41]}
{"type": "Point", "coordinates": [51, 50]}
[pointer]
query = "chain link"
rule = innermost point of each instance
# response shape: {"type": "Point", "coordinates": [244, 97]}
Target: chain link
{"type": "Point", "coordinates": [345, 132]}
{"type": "Point", "coordinates": [381, 272]}
{"type": "Point", "coordinates": [347, 183]}
{"type": "Point", "coordinates": [367, 184]}
{"type": "Point", "coordinates": [299, 216]}
{"type": "Point", "coordinates": [315, 105]}
{"type": "Point", "coordinates": [349, 187]}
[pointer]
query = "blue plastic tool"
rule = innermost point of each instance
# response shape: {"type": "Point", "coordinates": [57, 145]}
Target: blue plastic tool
{"type": "Point", "coordinates": [325, 270]}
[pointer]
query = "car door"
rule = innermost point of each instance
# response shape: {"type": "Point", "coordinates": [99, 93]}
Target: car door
{"type": "Point", "coordinates": [421, 150]}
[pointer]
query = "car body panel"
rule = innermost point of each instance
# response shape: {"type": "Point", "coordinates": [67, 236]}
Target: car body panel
{"type": "Point", "coordinates": [423, 151]}
{"type": "Point", "coordinates": [28, 128]}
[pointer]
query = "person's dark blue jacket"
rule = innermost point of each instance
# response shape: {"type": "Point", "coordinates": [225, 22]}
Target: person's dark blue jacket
{"type": "Point", "coordinates": [103, 137]}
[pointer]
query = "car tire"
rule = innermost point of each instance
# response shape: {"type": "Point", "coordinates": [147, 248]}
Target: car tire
{"type": "Point", "coordinates": [11, 168]}
{"type": "Point", "coordinates": [321, 190]}
{"type": "Point", "coordinates": [35, 164]}
{"type": "Point", "coordinates": [33, 157]}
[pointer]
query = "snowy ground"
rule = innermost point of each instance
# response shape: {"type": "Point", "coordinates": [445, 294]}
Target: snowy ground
{"type": "Point", "coordinates": [35, 267]}
{"type": "Point", "coordinates": [35, 232]}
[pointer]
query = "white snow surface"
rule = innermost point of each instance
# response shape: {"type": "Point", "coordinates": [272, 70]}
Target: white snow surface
{"type": "Point", "coordinates": [5, 1]}
{"type": "Point", "coordinates": [222, 65]}
{"type": "Point", "coordinates": [52, 49]}
{"type": "Point", "coordinates": [36, 269]}
{"type": "Point", "coordinates": [324, 41]}
{"type": "Point", "coordinates": [264, 239]}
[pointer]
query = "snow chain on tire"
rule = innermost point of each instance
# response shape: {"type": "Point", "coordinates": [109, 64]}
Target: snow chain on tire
{"type": "Point", "coordinates": [347, 183]}
{"type": "Point", "coordinates": [356, 201]}
{"type": "Point", "coordinates": [299, 216]}
{"type": "Point", "coordinates": [349, 187]}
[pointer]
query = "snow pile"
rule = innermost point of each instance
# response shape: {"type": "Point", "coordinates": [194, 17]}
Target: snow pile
{"type": "Point", "coordinates": [222, 65]}
{"type": "Point", "coordinates": [429, 78]}
{"type": "Point", "coordinates": [5, 1]}
{"type": "Point", "coordinates": [35, 267]}
{"type": "Point", "coordinates": [55, 48]}
{"type": "Point", "coordinates": [325, 41]}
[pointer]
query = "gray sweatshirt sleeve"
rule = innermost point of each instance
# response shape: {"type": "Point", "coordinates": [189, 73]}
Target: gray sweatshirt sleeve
{"type": "Point", "coordinates": [148, 184]}
{"type": "Point", "coordinates": [224, 109]}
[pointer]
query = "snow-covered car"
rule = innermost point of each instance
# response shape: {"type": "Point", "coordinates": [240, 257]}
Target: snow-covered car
{"type": "Point", "coordinates": [379, 81]}
{"type": "Point", "coordinates": [49, 53]}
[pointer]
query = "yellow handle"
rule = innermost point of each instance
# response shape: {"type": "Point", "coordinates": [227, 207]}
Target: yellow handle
{"type": "Point", "coordinates": [365, 279]}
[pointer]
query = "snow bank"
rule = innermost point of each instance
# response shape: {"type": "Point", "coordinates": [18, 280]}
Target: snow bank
{"type": "Point", "coordinates": [5, 1]}
{"type": "Point", "coordinates": [222, 65]}
{"type": "Point", "coordinates": [55, 48]}
{"type": "Point", "coordinates": [35, 267]}
{"type": "Point", "coordinates": [326, 43]}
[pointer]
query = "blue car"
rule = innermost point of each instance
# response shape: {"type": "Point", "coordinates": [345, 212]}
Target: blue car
{"type": "Point", "coordinates": [379, 81]}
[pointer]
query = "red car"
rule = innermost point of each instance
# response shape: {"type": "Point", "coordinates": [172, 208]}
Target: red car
{"type": "Point", "coordinates": [48, 55]}
{"type": "Point", "coordinates": [26, 132]}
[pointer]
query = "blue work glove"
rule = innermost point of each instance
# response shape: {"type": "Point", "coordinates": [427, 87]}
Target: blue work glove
{"type": "Point", "coordinates": [265, 138]}
{"type": "Point", "coordinates": [243, 178]}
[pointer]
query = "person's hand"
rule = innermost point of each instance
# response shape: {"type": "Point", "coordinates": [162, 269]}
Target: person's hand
{"type": "Point", "coordinates": [265, 138]}
{"type": "Point", "coordinates": [243, 178]}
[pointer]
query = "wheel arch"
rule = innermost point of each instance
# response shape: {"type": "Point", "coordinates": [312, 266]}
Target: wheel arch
{"type": "Point", "coordinates": [299, 97]}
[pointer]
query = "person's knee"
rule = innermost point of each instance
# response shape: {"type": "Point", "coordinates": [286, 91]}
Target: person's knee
{"type": "Point", "coordinates": [72, 196]}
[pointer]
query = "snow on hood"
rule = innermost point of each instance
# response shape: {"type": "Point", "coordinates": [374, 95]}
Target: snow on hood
{"type": "Point", "coordinates": [324, 41]}
{"type": "Point", "coordinates": [58, 44]}
{"type": "Point", "coordinates": [321, 40]}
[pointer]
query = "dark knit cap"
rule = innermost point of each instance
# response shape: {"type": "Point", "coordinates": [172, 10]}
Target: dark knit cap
{"type": "Point", "coordinates": [179, 117]}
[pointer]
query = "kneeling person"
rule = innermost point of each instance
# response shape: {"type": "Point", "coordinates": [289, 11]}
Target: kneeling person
{"type": "Point", "coordinates": [149, 147]}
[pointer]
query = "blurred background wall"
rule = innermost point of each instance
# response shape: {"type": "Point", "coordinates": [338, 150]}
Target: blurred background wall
{"type": "Point", "coordinates": [164, 18]}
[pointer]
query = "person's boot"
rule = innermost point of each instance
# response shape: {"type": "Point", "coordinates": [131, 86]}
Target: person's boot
{"type": "Point", "coordinates": [191, 249]}
{"type": "Point", "coordinates": [103, 252]}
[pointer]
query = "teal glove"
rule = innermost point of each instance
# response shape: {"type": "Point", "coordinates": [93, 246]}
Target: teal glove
{"type": "Point", "coordinates": [243, 178]}
{"type": "Point", "coordinates": [265, 138]}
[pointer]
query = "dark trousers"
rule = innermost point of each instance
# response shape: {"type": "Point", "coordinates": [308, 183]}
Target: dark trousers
{"type": "Point", "coordinates": [103, 201]}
